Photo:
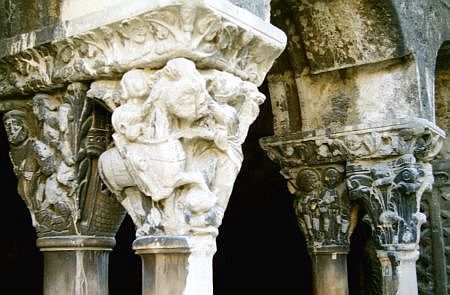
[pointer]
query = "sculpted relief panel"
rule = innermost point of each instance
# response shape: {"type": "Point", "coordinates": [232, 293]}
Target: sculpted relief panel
{"type": "Point", "coordinates": [177, 145]}
{"type": "Point", "coordinates": [321, 204]}
{"type": "Point", "coordinates": [53, 146]}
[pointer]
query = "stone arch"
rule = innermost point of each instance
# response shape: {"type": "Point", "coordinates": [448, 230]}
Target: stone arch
{"type": "Point", "coordinates": [442, 88]}
{"type": "Point", "coordinates": [332, 48]}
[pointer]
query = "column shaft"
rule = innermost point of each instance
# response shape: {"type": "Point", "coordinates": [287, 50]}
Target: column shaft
{"type": "Point", "coordinates": [176, 265]}
{"type": "Point", "coordinates": [398, 271]}
{"type": "Point", "coordinates": [329, 273]}
{"type": "Point", "coordinates": [75, 265]}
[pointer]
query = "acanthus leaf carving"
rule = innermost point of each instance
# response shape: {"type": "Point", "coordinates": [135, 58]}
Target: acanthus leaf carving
{"type": "Point", "coordinates": [391, 192]}
{"type": "Point", "coordinates": [178, 136]}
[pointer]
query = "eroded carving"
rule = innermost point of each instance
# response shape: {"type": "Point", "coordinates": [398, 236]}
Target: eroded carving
{"type": "Point", "coordinates": [417, 137]}
{"type": "Point", "coordinates": [178, 136]}
{"type": "Point", "coordinates": [193, 30]}
{"type": "Point", "coordinates": [321, 204]}
{"type": "Point", "coordinates": [53, 147]}
{"type": "Point", "coordinates": [391, 192]}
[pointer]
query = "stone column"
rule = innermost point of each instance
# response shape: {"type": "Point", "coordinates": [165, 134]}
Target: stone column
{"type": "Point", "coordinates": [180, 79]}
{"type": "Point", "coordinates": [387, 170]}
{"type": "Point", "coordinates": [178, 136]}
{"type": "Point", "coordinates": [390, 190]}
{"type": "Point", "coordinates": [76, 264]}
{"type": "Point", "coordinates": [179, 122]}
{"type": "Point", "coordinates": [321, 205]}
{"type": "Point", "coordinates": [55, 140]}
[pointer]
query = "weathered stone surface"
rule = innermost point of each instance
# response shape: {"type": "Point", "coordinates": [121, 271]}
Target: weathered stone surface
{"type": "Point", "coordinates": [180, 78]}
{"type": "Point", "coordinates": [390, 191]}
{"type": "Point", "coordinates": [365, 94]}
{"type": "Point", "coordinates": [433, 276]}
{"type": "Point", "coordinates": [54, 145]}
{"type": "Point", "coordinates": [342, 34]}
{"type": "Point", "coordinates": [425, 26]}
{"type": "Point", "coordinates": [321, 204]}
{"type": "Point", "coordinates": [418, 137]}
{"type": "Point", "coordinates": [178, 136]}
{"type": "Point", "coordinates": [356, 62]}
{"type": "Point", "coordinates": [76, 264]}
{"type": "Point", "coordinates": [109, 42]}
{"type": "Point", "coordinates": [22, 16]}
{"type": "Point", "coordinates": [260, 8]}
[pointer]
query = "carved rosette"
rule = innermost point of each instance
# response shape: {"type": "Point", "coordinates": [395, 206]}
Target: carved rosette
{"type": "Point", "coordinates": [321, 204]}
{"type": "Point", "coordinates": [55, 141]}
{"type": "Point", "coordinates": [177, 144]}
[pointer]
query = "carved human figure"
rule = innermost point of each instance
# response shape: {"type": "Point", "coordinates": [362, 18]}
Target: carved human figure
{"type": "Point", "coordinates": [149, 134]}
{"type": "Point", "coordinates": [54, 119]}
{"type": "Point", "coordinates": [307, 201]}
{"type": "Point", "coordinates": [26, 165]}
{"type": "Point", "coordinates": [178, 148]}
{"type": "Point", "coordinates": [34, 165]}
{"type": "Point", "coordinates": [335, 216]}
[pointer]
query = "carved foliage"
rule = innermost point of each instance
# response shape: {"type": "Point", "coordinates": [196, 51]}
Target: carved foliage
{"type": "Point", "coordinates": [146, 40]}
{"type": "Point", "coordinates": [53, 147]}
{"type": "Point", "coordinates": [321, 204]}
{"type": "Point", "coordinates": [416, 137]}
{"type": "Point", "coordinates": [390, 192]}
{"type": "Point", "coordinates": [178, 136]}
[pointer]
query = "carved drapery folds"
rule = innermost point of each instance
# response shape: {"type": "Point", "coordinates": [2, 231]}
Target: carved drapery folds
{"type": "Point", "coordinates": [177, 145]}
{"type": "Point", "coordinates": [54, 146]}
{"type": "Point", "coordinates": [321, 204]}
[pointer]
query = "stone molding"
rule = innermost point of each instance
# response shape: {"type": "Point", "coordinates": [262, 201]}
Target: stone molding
{"type": "Point", "coordinates": [67, 243]}
{"type": "Point", "coordinates": [213, 34]}
{"type": "Point", "coordinates": [417, 136]}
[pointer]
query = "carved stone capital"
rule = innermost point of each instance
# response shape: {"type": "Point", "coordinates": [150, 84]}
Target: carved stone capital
{"type": "Point", "coordinates": [177, 144]}
{"type": "Point", "coordinates": [321, 205]}
{"type": "Point", "coordinates": [55, 140]}
{"type": "Point", "coordinates": [418, 137]}
{"type": "Point", "coordinates": [391, 191]}
{"type": "Point", "coordinates": [214, 34]}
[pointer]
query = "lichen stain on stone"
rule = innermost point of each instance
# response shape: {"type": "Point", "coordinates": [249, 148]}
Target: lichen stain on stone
{"type": "Point", "coordinates": [338, 34]}
{"type": "Point", "coordinates": [22, 16]}
{"type": "Point", "coordinates": [339, 108]}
